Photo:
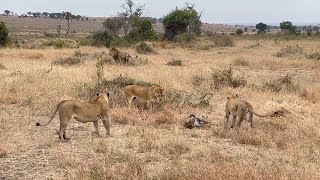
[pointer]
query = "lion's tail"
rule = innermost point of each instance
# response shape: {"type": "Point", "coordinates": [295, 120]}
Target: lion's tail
{"type": "Point", "coordinates": [263, 115]}
{"type": "Point", "coordinates": [52, 116]}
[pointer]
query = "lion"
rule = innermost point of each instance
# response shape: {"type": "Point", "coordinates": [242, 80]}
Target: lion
{"type": "Point", "coordinates": [82, 111]}
{"type": "Point", "coordinates": [240, 110]}
{"type": "Point", "coordinates": [118, 56]}
{"type": "Point", "coordinates": [148, 94]}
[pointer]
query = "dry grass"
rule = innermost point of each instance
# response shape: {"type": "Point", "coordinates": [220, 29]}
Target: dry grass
{"type": "Point", "coordinates": [153, 144]}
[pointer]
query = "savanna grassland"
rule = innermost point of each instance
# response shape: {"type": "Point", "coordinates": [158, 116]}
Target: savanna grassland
{"type": "Point", "coordinates": [153, 144]}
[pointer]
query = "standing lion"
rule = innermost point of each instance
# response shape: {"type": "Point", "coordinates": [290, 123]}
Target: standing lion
{"type": "Point", "coordinates": [118, 56]}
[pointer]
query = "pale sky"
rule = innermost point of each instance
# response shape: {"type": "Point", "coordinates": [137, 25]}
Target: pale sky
{"type": "Point", "coordinates": [214, 11]}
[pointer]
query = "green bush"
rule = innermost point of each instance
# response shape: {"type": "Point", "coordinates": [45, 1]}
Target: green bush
{"type": "Point", "coordinates": [184, 37]}
{"type": "Point", "coordinates": [142, 30]}
{"type": "Point", "coordinates": [4, 34]}
{"type": "Point", "coordinates": [101, 38]}
{"type": "Point", "coordinates": [119, 42]}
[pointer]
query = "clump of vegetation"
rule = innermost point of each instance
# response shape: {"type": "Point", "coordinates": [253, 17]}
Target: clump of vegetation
{"type": "Point", "coordinates": [4, 34]}
{"type": "Point", "coordinates": [314, 55]}
{"type": "Point", "coordinates": [240, 62]}
{"type": "Point", "coordinates": [76, 59]}
{"type": "Point", "coordinates": [252, 46]}
{"type": "Point", "coordinates": [222, 78]}
{"type": "Point", "coordinates": [144, 48]}
{"type": "Point", "coordinates": [175, 62]}
{"type": "Point", "coordinates": [222, 40]}
{"type": "Point", "coordinates": [261, 27]}
{"type": "Point", "coordinates": [3, 153]}
{"type": "Point", "coordinates": [2, 66]}
{"type": "Point", "coordinates": [290, 51]}
{"type": "Point", "coordinates": [101, 38]}
{"type": "Point", "coordinates": [62, 43]}
{"type": "Point", "coordinates": [239, 32]}
{"type": "Point", "coordinates": [184, 37]}
{"type": "Point", "coordinates": [197, 80]}
{"type": "Point", "coordinates": [285, 84]}
{"type": "Point", "coordinates": [181, 21]}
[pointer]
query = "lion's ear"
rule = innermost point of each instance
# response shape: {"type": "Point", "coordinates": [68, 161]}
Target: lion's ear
{"type": "Point", "coordinates": [108, 94]}
{"type": "Point", "coordinates": [228, 97]}
{"type": "Point", "coordinates": [97, 94]}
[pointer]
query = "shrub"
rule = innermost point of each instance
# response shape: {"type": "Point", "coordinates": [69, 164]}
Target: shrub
{"type": "Point", "coordinates": [184, 37]}
{"type": "Point", "coordinates": [290, 51]}
{"type": "Point", "coordinates": [240, 62]}
{"type": "Point", "coordinates": [221, 78]}
{"type": "Point", "coordinates": [144, 48]}
{"type": "Point", "coordinates": [119, 42]}
{"type": "Point", "coordinates": [175, 62]}
{"type": "Point", "coordinates": [261, 27]}
{"type": "Point", "coordinates": [239, 32]}
{"type": "Point", "coordinates": [178, 21]}
{"type": "Point", "coordinates": [70, 61]}
{"type": "Point", "coordinates": [197, 80]}
{"type": "Point", "coordinates": [4, 34]}
{"type": "Point", "coordinates": [314, 55]}
{"type": "Point", "coordinates": [101, 38]}
{"type": "Point", "coordinates": [222, 40]}
{"type": "Point", "coordinates": [142, 30]}
{"type": "Point", "coordinates": [58, 43]}
{"type": "Point", "coordinates": [282, 84]}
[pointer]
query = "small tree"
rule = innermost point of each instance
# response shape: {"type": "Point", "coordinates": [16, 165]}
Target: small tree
{"type": "Point", "coordinates": [68, 16]}
{"type": "Point", "coordinates": [316, 29]}
{"type": "Point", "coordinates": [142, 30]}
{"type": "Point", "coordinates": [4, 38]}
{"type": "Point", "coordinates": [309, 30]}
{"type": "Point", "coordinates": [7, 12]}
{"type": "Point", "coordinates": [287, 27]}
{"type": "Point", "coordinates": [113, 26]}
{"type": "Point", "coordinates": [239, 32]}
{"type": "Point", "coordinates": [261, 27]}
{"type": "Point", "coordinates": [245, 29]}
{"type": "Point", "coordinates": [181, 21]}
{"type": "Point", "coordinates": [131, 14]}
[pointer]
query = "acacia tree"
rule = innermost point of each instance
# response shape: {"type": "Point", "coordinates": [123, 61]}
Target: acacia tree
{"type": "Point", "coordinates": [7, 12]}
{"type": "Point", "coordinates": [131, 14]}
{"type": "Point", "coordinates": [113, 25]}
{"type": "Point", "coordinates": [261, 27]}
{"type": "Point", "coordinates": [4, 39]}
{"type": "Point", "coordinates": [68, 17]}
{"type": "Point", "coordinates": [287, 27]}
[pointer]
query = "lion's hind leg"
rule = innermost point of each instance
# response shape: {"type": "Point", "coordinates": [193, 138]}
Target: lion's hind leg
{"type": "Point", "coordinates": [96, 127]}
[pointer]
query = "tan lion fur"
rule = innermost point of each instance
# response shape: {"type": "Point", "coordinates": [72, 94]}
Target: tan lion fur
{"type": "Point", "coordinates": [82, 111]}
{"type": "Point", "coordinates": [148, 94]}
{"type": "Point", "coordinates": [119, 56]}
{"type": "Point", "coordinates": [240, 110]}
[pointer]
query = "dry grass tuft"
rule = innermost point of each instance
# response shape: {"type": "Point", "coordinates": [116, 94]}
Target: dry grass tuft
{"type": "Point", "coordinates": [314, 55]}
{"type": "Point", "coordinates": [175, 62]}
{"type": "Point", "coordinates": [221, 78]}
{"type": "Point", "coordinates": [2, 67]}
{"type": "Point", "coordinates": [222, 40]}
{"type": "Point", "coordinates": [144, 48]}
{"type": "Point", "coordinates": [284, 84]}
{"type": "Point", "coordinates": [293, 51]}
{"type": "Point", "coordinates": [76, 59]}
{"type": "Point", "coordinates": [312, 93]}
{"type": "Point", "coordinates": [240, 62]}
{"type": "Point", "coordinates": [3, 153]}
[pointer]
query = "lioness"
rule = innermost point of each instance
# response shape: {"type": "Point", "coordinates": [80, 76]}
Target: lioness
{"type": "Point", "coordinates": [88, 111]}
{"type": "Point", "coordinates": [240, 110]}
{"type": "Point", "coordinates": [118, 56]}
{"type": "Point", "coordinates": [148, 94]}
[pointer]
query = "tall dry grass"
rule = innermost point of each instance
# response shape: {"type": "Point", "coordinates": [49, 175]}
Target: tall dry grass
{"type": "Point", "coordinates": [152, 144]}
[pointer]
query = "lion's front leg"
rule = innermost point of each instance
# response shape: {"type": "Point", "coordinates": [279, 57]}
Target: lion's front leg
{"type": "Point", "coordinates": [106, 124]}
{"type": "Point", "coordinates": [96, 127]}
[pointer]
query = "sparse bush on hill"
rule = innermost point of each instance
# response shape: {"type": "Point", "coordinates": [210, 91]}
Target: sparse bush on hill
{"type": "Point", "coordinates": [4, 34]}
{"type": "Point", "coordinates": [287, 27]}
{"type": "Point", "coordinates": [175, 62]}
{"type": "Point", "coordinates": [284, 84]}
{"type": "Point", "coordinates": [261, 27]}
{"type": "Point", "coordinates": [239, 32]}
{"type": "Point", "coordinates": [144, 48]}
{"type": "Point", "coordinates": [290, 51]}
{"type": "Point", "coordinates": [62, 43]}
